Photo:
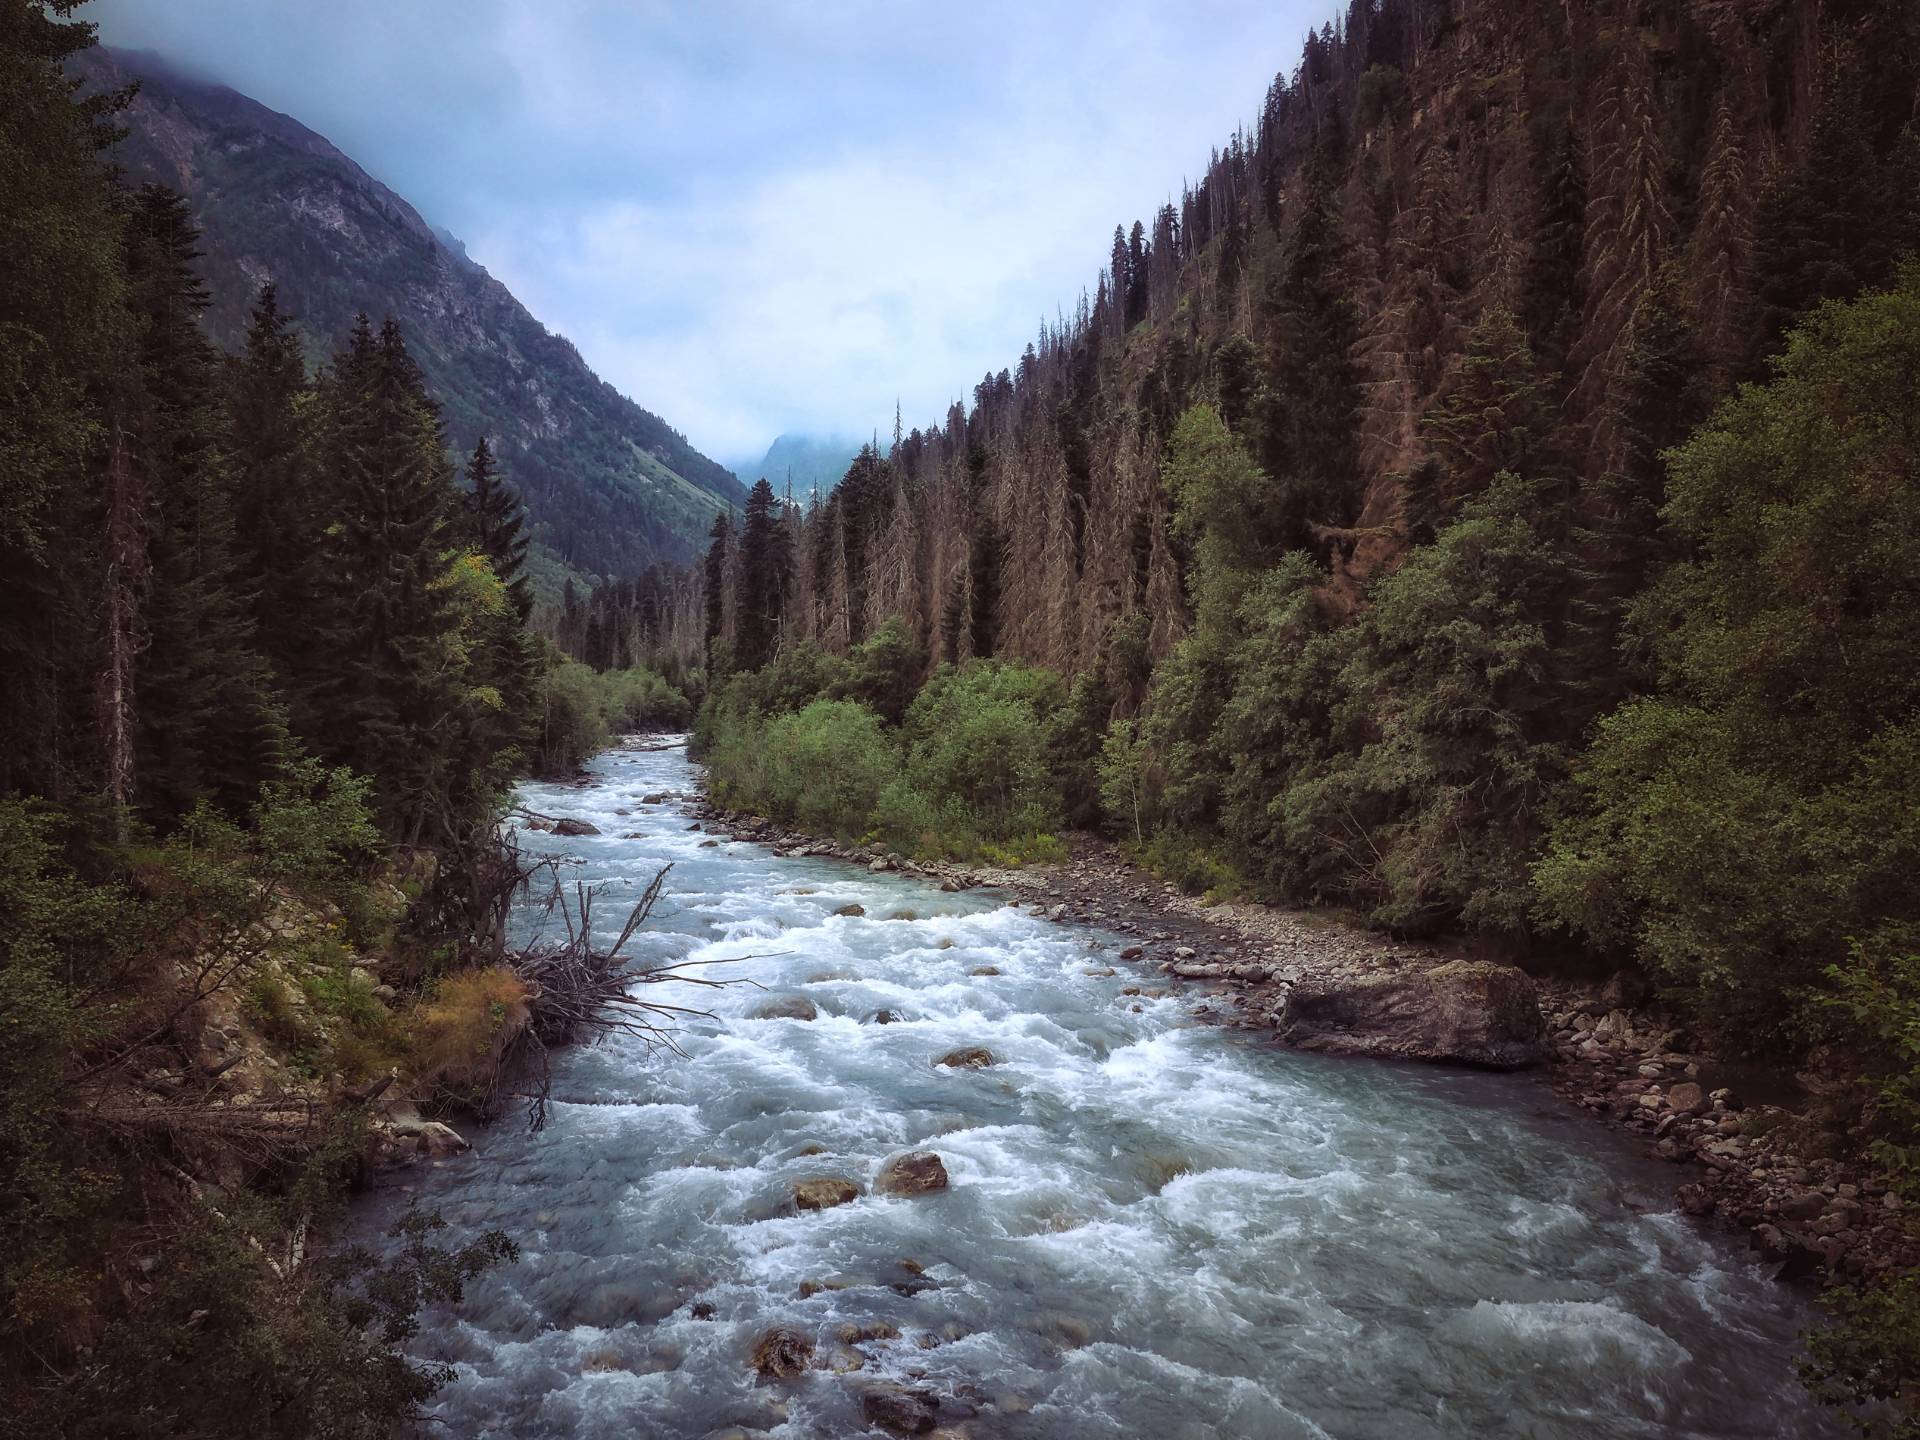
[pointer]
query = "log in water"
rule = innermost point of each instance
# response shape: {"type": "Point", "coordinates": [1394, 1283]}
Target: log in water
{"type": "Point", "coordinates": [1152, 1227]}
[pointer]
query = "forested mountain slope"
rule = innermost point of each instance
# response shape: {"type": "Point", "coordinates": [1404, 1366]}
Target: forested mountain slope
{"type": "Point", "coordinates": [610, 487]}
{"type": "Point", "coordinates": [1376, 507]}
{"type": "Point", "coordinates": [1438, 194]}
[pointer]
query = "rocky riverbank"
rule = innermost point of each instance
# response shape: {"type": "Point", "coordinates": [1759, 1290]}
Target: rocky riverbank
{"type": "Point", "coordinates": [1777, 1168]}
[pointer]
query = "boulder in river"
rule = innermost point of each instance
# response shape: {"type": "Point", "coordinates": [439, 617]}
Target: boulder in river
{"type": "Point", "coordinates": [1469, 1012]}
{"type": "Point", "coordinates": [574, 827]}
{"type": "Point", "coordinates": [782, 1353]}
{"type": "Point", "coordinates": [823, 1192]}
{"type": "Point", "coordinates": [787, 1007]}
{"type": "Point", "coordinates": [854, 910]}
{"type": "Point", "coordinates": [898, 1410]}
{"type": "Point", "coordinates": [919, 1172]}
{"type": "Point", "coordinates": [967, 1057]}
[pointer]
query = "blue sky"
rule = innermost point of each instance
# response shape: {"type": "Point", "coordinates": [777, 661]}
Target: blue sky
{"type": "Point", "coordinates": [757, 218]}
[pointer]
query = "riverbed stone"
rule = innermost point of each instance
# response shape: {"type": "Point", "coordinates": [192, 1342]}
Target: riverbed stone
{"type": "Point", "coordinates": [787, 1007]}
{"type": "Point", "coordinates": [1470, 1012]}
{"type": "Point", "coordinates": [967, 1057]}
{"type": "Point", "coordinates": [575, 827]}
{"type": "Point", "coordinates": [823, 1192]}
{"type": "Point", "coordinates": [919, 1172]}
{"type": "Point", "coordinates": [782, 1353]}
{"type": "Point", "coordinates": [1687, 1098]}
{"type": "Point", "coordinates": [898, 1410]}
{"type": "Point", "coordinates": [855, 911]}
{"type": "Point", "coordinates": [984, 970]}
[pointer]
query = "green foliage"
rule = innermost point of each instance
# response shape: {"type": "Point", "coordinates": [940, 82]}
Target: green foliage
{"type": "Point", "coordinates": [226, 1341]}
{"type": "Point", "coordinates": [1737, 830]}
{"type": "Point", "coordinates": [1874, 1010]}
{"type": "Point", "coordinates": [582, 710]}
{"type": "Point", "coordinates": [1869, 1354]}
{"type": "Point", "coordinates": [824, 766]}
{"type": "Point", "coordinates": [1192, 865]}
{"type": "Point", "coordinates": [977, 757]}
{"type": "Point", "coordinates": [1436, 814]}
{"type": "Point", "coordinates": [883, 671]}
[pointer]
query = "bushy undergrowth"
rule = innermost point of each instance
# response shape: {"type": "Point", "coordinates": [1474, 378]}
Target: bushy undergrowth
{"type": "Point", "coordinates": [582, 710]}
{"type": "Point", "coordinates": [134, 1303]}
{"type": "Point", "coordinates": [970, 767]}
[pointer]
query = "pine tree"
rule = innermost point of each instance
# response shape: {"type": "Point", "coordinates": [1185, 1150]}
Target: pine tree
{"type": "Point", "coordinates": [386, 683]}
{"type": "Point", "coordinates": [1495, 415]}
{"type": "Point", "coordinates": [280, 510]}
{"type": "Point", "coordinates": [1820, 225]}
{"type": "Point", "coordinates": [63, 331]}
{"type": "Point", "coordinates": [1550, 291]}
{"type": "Point", "coordinates": [1619, 541]}
{"type": "Point", "coordinates": [1306, 416]}
{"type": "Point", "coordinates": [496, 526]}
{"type": "Point", "coordinates": [715, 574]}
{"type": "Point", "coordinates": [767, 573]}
{"type": "Point", "coordinates": [210, 723]}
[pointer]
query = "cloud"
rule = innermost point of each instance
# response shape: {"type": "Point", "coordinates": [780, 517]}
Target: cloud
{"type": "Point", "coordinates": [764, 217]}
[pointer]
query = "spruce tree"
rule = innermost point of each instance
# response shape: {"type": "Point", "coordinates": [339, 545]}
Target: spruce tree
{"type": "Point", "coordinates": [1495, 415]}
{"type": "Point", "coordinates": [716, 584]}
{"type": "Point", "coordinates": [1619, 540]}
{"type": "Point", "coordinates": [386, 683]}
{"type": "Point", "coordinates": [210, 723]}
{"type": "Point", "coordinates": [496, 526]}
{"type": "Point", "coordinates": [1820, 227]}
{"type": "Point", "coordinates": [1306, 415]}
{"type": "Point", "coordinates": [63, 330]}
{"type": "Point", "coordinates": [279, 510]}
{"type": "Point", "coordinates": [766, 557]}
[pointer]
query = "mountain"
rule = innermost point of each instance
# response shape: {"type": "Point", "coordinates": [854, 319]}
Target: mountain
{"type": "Point", "coordinates": [610, 487]}
{"type": "Point", "coordinates": [812, 464]}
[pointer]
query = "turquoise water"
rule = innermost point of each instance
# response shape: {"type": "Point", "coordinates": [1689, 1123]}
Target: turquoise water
{"type": "Point", "coordinates": [1154, 1227]}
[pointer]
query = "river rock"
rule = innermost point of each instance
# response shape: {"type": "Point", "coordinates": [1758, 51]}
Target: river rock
{"type": "Point", "coordinates": [898, 1410]}
{"type": "Point", "coordinates": [968, 1057]}
{"type": "Point", "coordinates": [984, 970]}
{"type": "Point", "coordinates": [854, 910]}
{"type": "Point", "coordinates": [1469, 1012]}
{"type": "Point", "coordinates": [782, 1353]}
{"type": "Point", "coordinates": [1686, 1098]}
{"type": "Point", "coordinates": [539, 822]}
{"type": "Point", "coordinates": [574, 827]}
{"type": "Point", "coordinates": [788, 1007]}
{"type": "Point", "coordinates": [823, 1192]}
{"type": "Point", "coordinates": [919, 1172]}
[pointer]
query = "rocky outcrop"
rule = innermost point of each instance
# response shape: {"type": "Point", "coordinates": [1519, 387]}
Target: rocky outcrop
{"type": "Point", "coordinates": [920, 1172]}
{"type": "Point", "coordinates": [1467, 1012]}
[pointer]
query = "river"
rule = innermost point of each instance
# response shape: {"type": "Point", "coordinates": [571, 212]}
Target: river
{"type": "Point", "coordinates": [1155, 1227]}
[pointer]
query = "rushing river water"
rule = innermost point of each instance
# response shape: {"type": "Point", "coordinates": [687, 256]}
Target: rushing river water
{"type": "Point", "coordinates": [1155, 1228]}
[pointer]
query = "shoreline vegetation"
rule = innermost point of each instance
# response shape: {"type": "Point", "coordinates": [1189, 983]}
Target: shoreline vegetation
{"type": "Point", "coordinates": [1695, 771]}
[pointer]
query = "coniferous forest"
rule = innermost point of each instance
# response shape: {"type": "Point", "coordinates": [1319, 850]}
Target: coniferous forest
{"type": "Point", "coordinates": [1480, 512]}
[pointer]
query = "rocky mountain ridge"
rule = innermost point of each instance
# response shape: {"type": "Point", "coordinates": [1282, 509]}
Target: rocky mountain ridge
{"type": "Point", "coordinates": [610, 486]}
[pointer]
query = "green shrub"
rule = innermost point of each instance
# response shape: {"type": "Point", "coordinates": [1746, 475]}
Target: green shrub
{"type": "Point", "coordinates": [981, 737]}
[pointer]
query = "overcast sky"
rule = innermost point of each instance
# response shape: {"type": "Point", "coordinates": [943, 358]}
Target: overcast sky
{"type": "Point", "coordinates": [756, 218]}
